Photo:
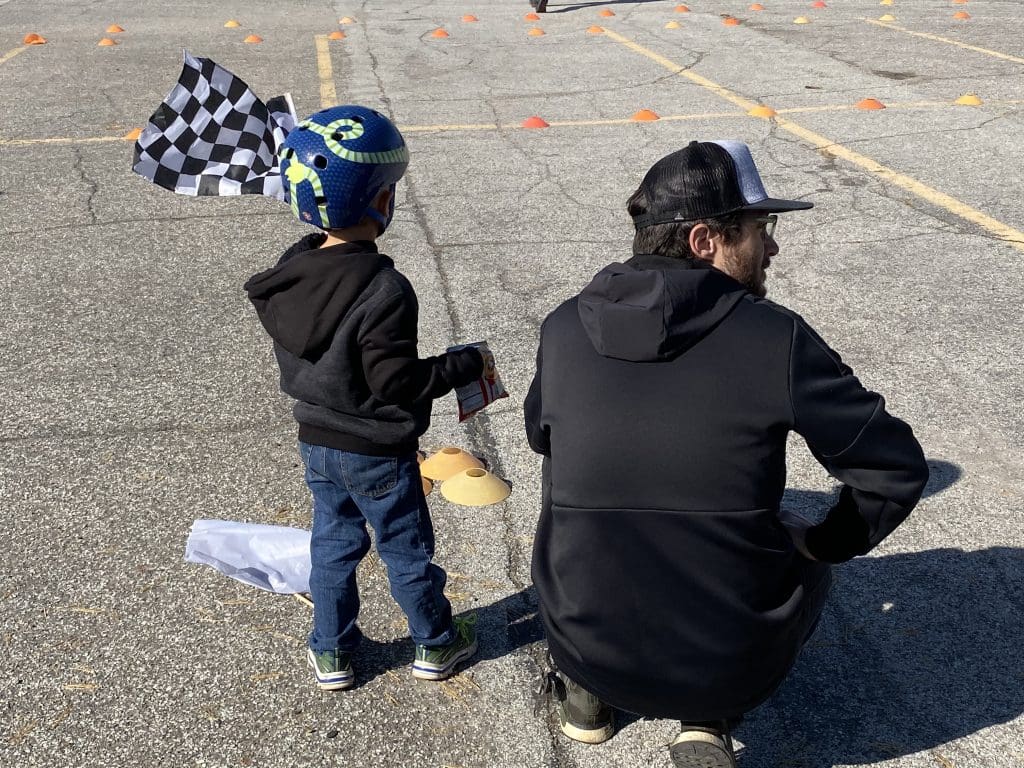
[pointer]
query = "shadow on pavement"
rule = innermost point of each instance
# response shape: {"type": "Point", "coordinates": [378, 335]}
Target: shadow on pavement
{"type": "Point", "coordinates": [914, 650]}
{"type": "Point", "coordinates": [502, 627]}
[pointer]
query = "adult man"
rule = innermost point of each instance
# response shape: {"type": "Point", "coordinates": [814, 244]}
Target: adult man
{"type": "Point", "coordinates": [663, 396]}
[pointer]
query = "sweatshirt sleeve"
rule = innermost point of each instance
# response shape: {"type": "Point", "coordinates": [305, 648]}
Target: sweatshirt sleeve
{"type": "Point", "coordinates": [536, 434]}
{"type": "Point", "coordinates": [391, 364]}
{"type": "Point", "coordinates": [874, 454]}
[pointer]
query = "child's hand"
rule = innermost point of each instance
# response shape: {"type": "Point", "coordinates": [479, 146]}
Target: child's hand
{"type": "Point", "coordinates": [462, 366]}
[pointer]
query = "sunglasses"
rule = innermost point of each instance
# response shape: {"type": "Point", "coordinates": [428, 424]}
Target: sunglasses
{"type": "Point", "coordinates": [767, 223]}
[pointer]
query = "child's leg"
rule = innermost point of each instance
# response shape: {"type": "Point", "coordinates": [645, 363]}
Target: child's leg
{"type": "Point", "coordinates": [338, 543]}
{"type": "Point", "coordinates": [390, 495]}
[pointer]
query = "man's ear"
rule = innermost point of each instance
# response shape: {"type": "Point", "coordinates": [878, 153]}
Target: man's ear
{"type": "Point", "coordinates": [702, 242]}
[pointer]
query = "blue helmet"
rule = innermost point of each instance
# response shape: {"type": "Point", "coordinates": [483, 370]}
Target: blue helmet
{"type": "Point", "coordinates": [336, 162]}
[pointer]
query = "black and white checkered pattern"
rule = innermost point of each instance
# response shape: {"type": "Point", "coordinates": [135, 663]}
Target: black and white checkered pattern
{"type": "Point", "coordinates": [212, 136]}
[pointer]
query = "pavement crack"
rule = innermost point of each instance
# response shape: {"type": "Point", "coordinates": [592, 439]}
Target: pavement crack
{"type": "Point", "coordinates": [90, 185]}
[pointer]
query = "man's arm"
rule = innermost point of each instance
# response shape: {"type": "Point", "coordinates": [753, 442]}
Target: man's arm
{"type": "Point", "coordinates": [391, 364]}
{"type": "Point", "coordinates": [536, 434]}
{"type": "Point", "coordinates": [874, 454]}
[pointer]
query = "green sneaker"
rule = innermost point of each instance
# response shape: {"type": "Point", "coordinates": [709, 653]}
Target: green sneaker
{"type": "Point", "coordinates": [333, 669]}
{"type": "Point", "coordinates": [581, 715]}
{"type": "Point", "coordinates": [438, 662]}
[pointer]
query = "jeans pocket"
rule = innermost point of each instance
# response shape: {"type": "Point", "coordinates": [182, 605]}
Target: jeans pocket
{"type": "Point", "coordinates": [305, 450]}
{"type": "Point", "coordinates": [372, 476]}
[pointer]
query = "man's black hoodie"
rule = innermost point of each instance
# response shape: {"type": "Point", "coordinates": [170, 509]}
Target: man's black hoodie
{"type": "Point", "coordinates": [663, 397]}
{"type": "Point", "coordinates": [344, 322]}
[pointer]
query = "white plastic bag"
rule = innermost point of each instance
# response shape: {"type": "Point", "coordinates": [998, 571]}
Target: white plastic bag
{"type": "Point", "coordinates": [271, 557]}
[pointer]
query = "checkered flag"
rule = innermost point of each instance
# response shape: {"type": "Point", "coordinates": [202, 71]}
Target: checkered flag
{"type": "Point", "coordinates": [212, 136]}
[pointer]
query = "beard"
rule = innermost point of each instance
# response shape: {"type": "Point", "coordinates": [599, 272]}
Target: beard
{"type": "Point", "coordinates": [749, 272]}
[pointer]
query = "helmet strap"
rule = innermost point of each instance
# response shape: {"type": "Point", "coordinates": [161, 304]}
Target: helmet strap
{"type": "Point", "coordinates": [379, 217]}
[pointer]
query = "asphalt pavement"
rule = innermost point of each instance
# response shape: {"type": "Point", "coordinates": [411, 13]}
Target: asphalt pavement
{"type": "Point", "coordinates": [139, 393]}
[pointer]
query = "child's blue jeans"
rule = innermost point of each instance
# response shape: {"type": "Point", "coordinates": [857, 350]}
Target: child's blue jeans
{"type": "Point", "coordinates": [349, 490]}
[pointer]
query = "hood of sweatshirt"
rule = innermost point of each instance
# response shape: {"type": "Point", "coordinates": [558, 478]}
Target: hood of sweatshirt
{"type": "Point", "coordinates": [303, 299]}
{"type": "Point", "coordinates": [655, 307]}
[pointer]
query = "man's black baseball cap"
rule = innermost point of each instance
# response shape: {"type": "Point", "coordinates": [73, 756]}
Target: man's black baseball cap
{"type": "Point", "coordinates": [706, 179]}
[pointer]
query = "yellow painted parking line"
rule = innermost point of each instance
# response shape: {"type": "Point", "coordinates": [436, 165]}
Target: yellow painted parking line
{"type": "Point", "coordinates": [11, 54]}
{"type": "Point", "coordinates": [1002, 231]}
{"type": "Point", "coordinates": [671, 66]}
{"type": "Point", "coordinates": [898, 105]}
{"type": "Point", "coordinates": [328, 96]}
{"type": "Point", "coordinates": [456, 127]}
{"type": "Point", "coordinates": [469, 127]}
{"type": "Point", "coordinates": [560, 123]}
{"type": "Point", "coordinates": [957, 43]}
{"type": "Point", "coordinates": [60, 140]}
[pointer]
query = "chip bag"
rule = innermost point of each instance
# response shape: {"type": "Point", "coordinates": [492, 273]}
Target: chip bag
{"type": "Point", "coordinates": [476, 396]}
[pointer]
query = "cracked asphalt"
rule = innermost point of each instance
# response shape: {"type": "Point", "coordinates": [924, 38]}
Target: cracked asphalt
{"type": "Point", "coordinates": [139, 392]}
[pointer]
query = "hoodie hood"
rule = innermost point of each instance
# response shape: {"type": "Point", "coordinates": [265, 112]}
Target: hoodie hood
{"type": "Point", "coordinates": [303, 299]}
{"type": "Point", "coordinates": [655, 307]}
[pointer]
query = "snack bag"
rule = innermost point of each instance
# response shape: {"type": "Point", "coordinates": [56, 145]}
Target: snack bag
{"type": "Point", "coordinates": [485, 390]}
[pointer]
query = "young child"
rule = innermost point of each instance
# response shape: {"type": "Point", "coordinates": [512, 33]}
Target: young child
{"type": "Point", "coordinates": [343, 321]}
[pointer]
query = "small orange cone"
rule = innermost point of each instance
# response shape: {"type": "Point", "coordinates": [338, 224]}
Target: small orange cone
{"type": "Point", "coordinates": [231, 24]}
{"type": "Point", "coordinates": [336, 35]}
{"type": "Point", "coordinates": [606, 12]}
{"type": "Point", "coordinates": [106, 42]}
{"type": "Point", "coordinates": [673, 25]}
{"type": "Point", "coordinates": [870, 104]}
{"type": "Point", "coordinates": [681, 9]}
{"type": "Point", "coordinates": [346, 20]}
{"type": "Point", "coordinates": [731, 21]}
{"type": "Point", "coordinates": [531, 17]}
{"type": "Point", "coordinates": [439, 32]}
{"type": "Point", "coordinates": [962, 15]}
{"type": "Point", "coordinates": [645, 116]}
{"type": "Point", "coordinates": [959, 2]}
{"type": "Point", "coordinates": [132, 135]}
{"type": "Point", "coordinates": [818, 4]}
{"type": "Point", "coordinates": [595, 30]}
{"type": "Point", "coordinates": [535, 32]}
{"type": "Point", "coordinates": [762, 111]}
{"type": "Point", "coordinates": [535, 122]}
{"type": "Point", "coordinates": [253, 39]}
{"type": "Point", "coordinates": [33, 39]}
{"type": "Point", "coordinates": [757, 7]}
{"type": "Point", "coordinates": [115, 29]}
{"type": "Point", "coordinates": [470, 18]}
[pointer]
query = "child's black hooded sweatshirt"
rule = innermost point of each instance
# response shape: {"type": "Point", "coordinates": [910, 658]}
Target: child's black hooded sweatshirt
{"type": "Point", "coordinates": [344, 322]}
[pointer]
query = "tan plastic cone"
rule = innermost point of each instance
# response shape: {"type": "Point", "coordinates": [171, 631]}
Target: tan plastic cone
{"type": "Point", "coordinates": [474, 488]}
{"type": "Point", "coordinates": [447, 462]}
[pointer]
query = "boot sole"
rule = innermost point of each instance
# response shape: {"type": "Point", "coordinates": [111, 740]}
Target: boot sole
{"type": "Point", "coordinates": [592, 736]}
{"type": "Point", "coordinates": [442, 673]}
{"type": "Point", "coordinates": [700, 752]}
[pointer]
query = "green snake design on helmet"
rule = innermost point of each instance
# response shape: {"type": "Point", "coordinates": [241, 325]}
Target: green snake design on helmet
{"type": "Point", "coordinates": [298, 172]}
